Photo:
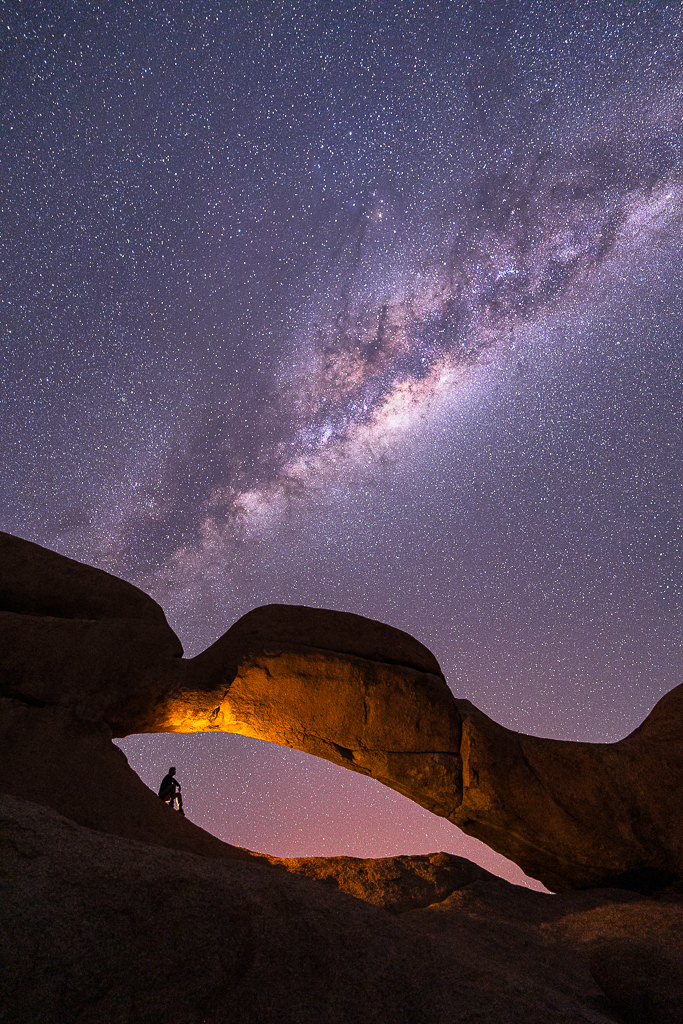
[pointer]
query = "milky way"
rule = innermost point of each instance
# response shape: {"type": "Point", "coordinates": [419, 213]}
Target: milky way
{"type": "Point", "coordinates": [363, 306]}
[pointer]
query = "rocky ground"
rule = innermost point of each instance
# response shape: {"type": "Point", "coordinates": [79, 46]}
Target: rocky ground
{"type": "Point", "coordinates": [98, 929]}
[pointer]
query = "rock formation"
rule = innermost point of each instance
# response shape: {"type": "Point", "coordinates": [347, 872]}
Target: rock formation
{"type": "Point", "coordinates": [117, 909]}
{"type": "Point", "coordinates": [100, 929]}
{"type": "Point", "coordinates": [86, 656]}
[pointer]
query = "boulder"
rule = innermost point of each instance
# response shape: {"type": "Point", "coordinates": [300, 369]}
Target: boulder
{"type": "Point", "coordinates": [396, 884]}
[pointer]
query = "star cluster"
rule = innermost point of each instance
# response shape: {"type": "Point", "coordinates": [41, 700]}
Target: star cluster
{"type": "Point", "coordinates": [371, 306]}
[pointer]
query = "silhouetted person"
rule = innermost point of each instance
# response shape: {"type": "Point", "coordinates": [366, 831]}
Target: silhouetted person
{"type": "Point", "coordinates": [169, 790]}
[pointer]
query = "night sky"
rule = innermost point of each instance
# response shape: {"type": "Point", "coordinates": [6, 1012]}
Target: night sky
{"type": "Point", "coordinates": [370, 306]}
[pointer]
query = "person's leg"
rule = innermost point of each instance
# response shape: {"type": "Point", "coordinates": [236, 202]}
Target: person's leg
{"type": "Point", "coordinates": [172, 797]}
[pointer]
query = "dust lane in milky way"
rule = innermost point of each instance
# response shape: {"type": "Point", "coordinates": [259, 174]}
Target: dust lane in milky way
{"type": "Point", "coordinates": [365, 307]}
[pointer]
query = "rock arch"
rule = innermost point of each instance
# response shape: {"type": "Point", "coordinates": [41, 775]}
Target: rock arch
{"type": "Point", "coordinates": [86, 656]}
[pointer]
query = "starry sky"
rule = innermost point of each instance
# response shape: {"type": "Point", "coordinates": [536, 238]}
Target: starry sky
{"type": "Point", "coordinates": [372, 306]}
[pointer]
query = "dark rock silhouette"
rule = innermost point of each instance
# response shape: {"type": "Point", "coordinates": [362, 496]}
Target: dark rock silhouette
{"type": "Point", "coordinates": [98, 928]}
{"type": "Point", "coordinates": [86, 656]}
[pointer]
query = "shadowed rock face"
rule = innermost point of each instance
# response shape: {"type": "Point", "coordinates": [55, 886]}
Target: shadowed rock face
{"type": "Point", "coordinates": [102, 929]}
{"type": "Point", "coordinates": [86, 656]}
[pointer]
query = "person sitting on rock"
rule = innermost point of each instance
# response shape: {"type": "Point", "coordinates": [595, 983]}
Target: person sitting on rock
{"type": "Point", "coordinates": [169, 790]}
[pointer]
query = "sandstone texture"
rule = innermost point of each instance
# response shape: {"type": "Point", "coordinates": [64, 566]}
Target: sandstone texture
{"type": "Point", "coordinates": [86, 656]}
{"type": "Point", "coordinates": [97, 929]}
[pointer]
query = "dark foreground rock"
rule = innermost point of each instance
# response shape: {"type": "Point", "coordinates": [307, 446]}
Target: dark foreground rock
{"type": "Point", "coordinates": [644, 983]}
{"type": "Point", "coordinates": [96, 929]}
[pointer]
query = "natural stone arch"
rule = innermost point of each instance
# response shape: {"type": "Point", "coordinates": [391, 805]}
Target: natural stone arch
{"type": "Point", "coordinates": [87, 656]}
